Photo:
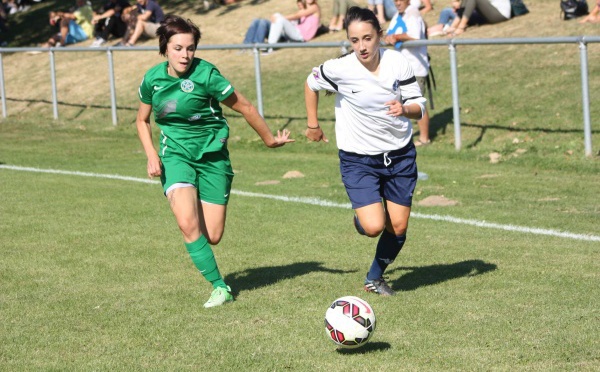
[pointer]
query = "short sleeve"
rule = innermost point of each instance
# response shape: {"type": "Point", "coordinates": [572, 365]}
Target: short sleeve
{"type": "Point", "coordinates": [322, 77]}
{"type": "Point", "coordinates": [217, 86]}
{"type": "Point", "coordinates": [145, 92]}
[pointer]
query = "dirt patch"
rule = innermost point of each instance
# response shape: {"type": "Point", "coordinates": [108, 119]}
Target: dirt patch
{"type": "Point", "coordinates": [437, 201]}
{"type": "Point", "coordinates": [293, 174]}
{"type": "Point", "coordinates": [267, 182]}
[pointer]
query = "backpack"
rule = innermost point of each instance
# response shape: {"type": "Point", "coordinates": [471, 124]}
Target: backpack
{"type": "Point", "coordinates": [573, 8]}
{"type": "Point", "coordinates": [517, 8]}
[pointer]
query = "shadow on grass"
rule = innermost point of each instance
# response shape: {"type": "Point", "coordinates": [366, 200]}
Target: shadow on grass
{"type": "Point", "coordinates": [263, 276]}
{"type": "Point", "coordinates": [438, 123]}
{"type": "Point", "coordinates": [370, 347]}
{"type": "Point", "coordinates": [435, 274]}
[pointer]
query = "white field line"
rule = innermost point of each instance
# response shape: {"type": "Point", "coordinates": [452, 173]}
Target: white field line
{"type": "Point", "coordinates": [326, 203]}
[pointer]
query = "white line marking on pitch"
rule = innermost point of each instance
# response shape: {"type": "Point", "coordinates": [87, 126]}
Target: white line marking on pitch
{"type": "Point", "coordinates": [326, 203]}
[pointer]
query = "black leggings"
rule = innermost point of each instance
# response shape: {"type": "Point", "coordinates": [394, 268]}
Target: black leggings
{"type": "Point", "coordinates": [484, 8]}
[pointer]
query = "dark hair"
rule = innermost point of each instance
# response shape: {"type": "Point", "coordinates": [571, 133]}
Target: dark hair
{"type": "Point", "coordinates": [358, 14]}
{"type": "Point", "coordinates": [173, 25]}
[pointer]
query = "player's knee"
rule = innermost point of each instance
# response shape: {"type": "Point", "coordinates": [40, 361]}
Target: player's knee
{"type": "Point", "coordinates": [372, 229]}
{"type": "Point", "coordinates": [189, 228]}
{"type": "Point", "coordinates": [399, 229]}
{"type": "Point", "coordinates": [213, 239]}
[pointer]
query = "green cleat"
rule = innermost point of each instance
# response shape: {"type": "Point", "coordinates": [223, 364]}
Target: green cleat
{"type": "Point", "coordinates": [219, 296]}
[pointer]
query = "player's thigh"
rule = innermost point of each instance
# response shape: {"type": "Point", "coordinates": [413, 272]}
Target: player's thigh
{"type": "Point", "coordinates": [214, 180]}
{"type": "Point", "coordinates": [397, 217]}
{"type": "Point", "coordinates": [361, 179]}
{"type": "Point", "coordinates": [215, 177]}
{"type": "Point", "coordinates": [184, 204]}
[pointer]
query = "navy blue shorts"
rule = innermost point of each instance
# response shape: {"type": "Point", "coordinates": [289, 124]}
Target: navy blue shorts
{"type": "Point", "coordinates": [369, 178]}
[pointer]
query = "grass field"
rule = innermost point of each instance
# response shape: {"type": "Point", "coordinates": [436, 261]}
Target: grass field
{"type": "Point", "coordinates": [94, 274]}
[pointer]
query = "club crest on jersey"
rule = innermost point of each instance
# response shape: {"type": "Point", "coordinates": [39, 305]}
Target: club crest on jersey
{"type": "Point", "coordinates": [187, 86]}
{"type": "Point", "coordinates": [396, 85]}
{"type": "Point", "coordinates": [315, 72]}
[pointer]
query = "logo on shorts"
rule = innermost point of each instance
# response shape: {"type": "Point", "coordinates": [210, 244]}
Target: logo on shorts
{"type": "Point", "coordinates": [223, 140]}
{"type": "Point", "coordinates": [396, 85]}
{"type": "Point", "coordinates": [195, 117]}
{"type": "Point", "coordinates": [187, 86]}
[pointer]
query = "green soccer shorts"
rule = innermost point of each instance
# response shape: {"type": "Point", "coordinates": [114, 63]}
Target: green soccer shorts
{"type": "Point", "coordinates": [212, 175]}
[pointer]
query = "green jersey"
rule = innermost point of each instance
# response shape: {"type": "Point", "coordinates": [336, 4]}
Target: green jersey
{"type": "Point", "coordinates": [187, 109]}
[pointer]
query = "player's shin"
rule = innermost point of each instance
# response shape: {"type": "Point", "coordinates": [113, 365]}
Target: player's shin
{"type": "Point", "coordinates": [204, 259]}
{"type": "Point", "coordinates": [388, 248]}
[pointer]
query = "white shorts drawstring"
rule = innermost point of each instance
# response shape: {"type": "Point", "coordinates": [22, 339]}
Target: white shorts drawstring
{"type": "Point", "coordinates": [386, 161]}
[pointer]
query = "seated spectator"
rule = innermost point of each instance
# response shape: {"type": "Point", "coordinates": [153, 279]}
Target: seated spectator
{"type": "Point", "coordinates": [447, 16]}
{"type": "Point", "coordinates": [376, 6]}
{"type": "Point", "coordinates": [299, 27]}
{"type": "Point", "coordinates": [424, 6]}
{"type": "Point", "coordinates": [148, 19]}
{"type": "Point", "coordinates": [340, 7]}
{"type": "Point", "coordinates": [594, 16]}
{"type": "Point", "coordinates": [109, 22]}
{"type": "Point", "coordinates": [389, 7]}
{"type": "Point", "coordinates": [407, 25]}
{"type": "Point", "coordinates": [74, 27]}
{"type": "Point", "coordinates": [491, 11]}
{"type": "Point", "coordinates": [258, 31]}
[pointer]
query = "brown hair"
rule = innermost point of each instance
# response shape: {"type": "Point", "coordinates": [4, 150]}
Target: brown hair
{"type": "Point", "coordinates": [173, 25]}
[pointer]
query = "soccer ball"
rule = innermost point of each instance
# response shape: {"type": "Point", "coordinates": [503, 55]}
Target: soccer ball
{"type": "Point", "coordinates": [349, 322]}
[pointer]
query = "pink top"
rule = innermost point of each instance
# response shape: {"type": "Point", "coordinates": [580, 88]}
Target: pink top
{"type": "Point", "coordinates": [308, 26]}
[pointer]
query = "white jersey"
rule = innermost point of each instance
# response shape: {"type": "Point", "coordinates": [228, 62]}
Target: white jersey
{"type": "Point", "coordinates": [362, 125]}
{"type": "Point", "coordinates": [412, 24]}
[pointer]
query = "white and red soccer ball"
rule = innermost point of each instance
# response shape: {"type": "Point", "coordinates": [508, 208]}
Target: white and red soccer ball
{"type": "Point", "coordinates": [349, 322]}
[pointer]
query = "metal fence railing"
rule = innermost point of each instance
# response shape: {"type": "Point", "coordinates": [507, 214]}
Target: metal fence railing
{"type": "Point", "coordinates": [580, 41]}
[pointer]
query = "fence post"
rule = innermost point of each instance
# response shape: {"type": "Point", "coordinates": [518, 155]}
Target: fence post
{"type": "Point", "coordinates": [258, 78]}
{"type": "Point", "coordinates": [2, 90]}
{"type": "Point", "coordinates": [113, 94]}
{"type": "Point", "coordinates": [455, 99]}
{"type": "Point", "coordinates": [53, 79]}
{"type": "Point", "coordinates": [587, 130]}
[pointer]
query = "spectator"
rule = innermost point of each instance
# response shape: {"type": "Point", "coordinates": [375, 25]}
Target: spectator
{"type": "Point", "coordinates": [389, 7]}
{"type": "Point", "coordinates": [376, 6]}
{"type": "Point", "coordinates": [258, 31]}
{"type": "Point", "coordinates": [490, 11]}
{"type": "Point", "coordinates": [447, 16]}
{"type": "Point", "coordinates": [594, 16]}
{"type": "Point", "coordinates": [408, 25]}
{"type": "Point", "coordinates": [149, 17]}
{"type": "Point", "coordinates": [74, 27]}
{"type": "Point", "coordinates": [340, 7]}
{"type": "Point", "coordinates": [109, 22]}
{"type": "Point", "coordinates": [424, 6]}
{"type": "Point", "coordinates": [300, 26]}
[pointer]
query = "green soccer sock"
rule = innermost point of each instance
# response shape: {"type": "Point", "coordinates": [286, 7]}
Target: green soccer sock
{"type": "Point", "coordinates": [204, 259]}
